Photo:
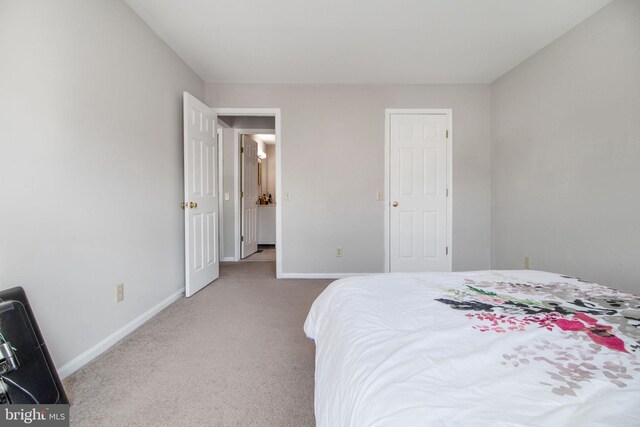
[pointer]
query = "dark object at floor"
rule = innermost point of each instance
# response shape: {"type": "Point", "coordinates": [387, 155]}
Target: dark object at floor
{"type": "Point", "coordinates": [28, 373]}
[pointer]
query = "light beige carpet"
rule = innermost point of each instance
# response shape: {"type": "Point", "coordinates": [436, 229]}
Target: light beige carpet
{"type": "Point", "coordinates": [234, 354]}
{"type": "Point", "coordinates": [267, 254]}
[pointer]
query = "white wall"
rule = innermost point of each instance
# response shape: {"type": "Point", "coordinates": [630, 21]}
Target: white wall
{"type": "Point", "coordinates": [90, 166]}
{"type": "Point", "coordinates": [566, 153]}
{"type": "Point", "coordinates": [229, 186]}
{"type": "Point", "coordinates": [333, 195]}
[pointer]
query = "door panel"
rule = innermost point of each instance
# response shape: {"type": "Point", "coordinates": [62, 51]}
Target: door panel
{"type": "Point", "coordinates": [211, 169]}
{"type": "Point", "coordinates": [200, 195]}
{"type": "Point", "coordinates": [212, 232]}
{"type": "Point", "coordinates": [196, 238]}
{"type": "Point", "coordinates": [405, 237]}
{"type": "Point", "coordinates": [250, 197]}
{"type": "Point", "coordinates": [430, 172]}
{"type": "Point", "coordinates": [406, 171]}
{"type": "Point", "coordinates": [418, 183]}
{"type": "Point", "coordinates": [430, 233]}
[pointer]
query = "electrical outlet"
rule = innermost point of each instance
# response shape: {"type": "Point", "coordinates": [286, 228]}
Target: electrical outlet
{"type": "Point", "coordinates": [339, 251]}
{"type": "Point", "coordinates": [287, 196]}
{"type": "Point", "coordinates": [527, 263]}
{"type": "Point", "coordinates": [380, 195]}
{"type": "Point", "coordinates": [119, 292]}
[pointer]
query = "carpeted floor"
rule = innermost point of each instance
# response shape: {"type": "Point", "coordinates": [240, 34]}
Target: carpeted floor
{"type": "Point", "coordinates": [234, 354]}
{"type": "Point", "coordinates": [264, 254]}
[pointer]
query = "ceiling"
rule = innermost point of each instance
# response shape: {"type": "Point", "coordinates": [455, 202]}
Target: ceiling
{"type": "Point", "coordinates": [350, 41]}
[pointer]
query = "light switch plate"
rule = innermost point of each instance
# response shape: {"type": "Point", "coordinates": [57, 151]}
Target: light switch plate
{"type": "Point", "coordinates": [119, 292]}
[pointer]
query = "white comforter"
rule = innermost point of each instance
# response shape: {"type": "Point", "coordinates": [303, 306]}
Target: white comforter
{"type": "Point", "coordinates": [493, 348]}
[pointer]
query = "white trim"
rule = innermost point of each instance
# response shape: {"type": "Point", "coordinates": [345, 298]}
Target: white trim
{"type": "Point", "coordinates": [268, 112]}
{"type": "Point", "coordinates": [228, 259]}
{"type": "Point", "coordinates": [321, 275]}
{"type": "Point", "coordinates": [237, 174]}
{"type": "Point", "coordinates": [252, 112]}
{"type": "Point", "coordinates": [279, 195]}
{"type": "Point", "coordinates": [220, 133]}
{"type": "Point", "coordinates": [387, 189]}
{"type": "Point", "coordinates": [236, 196]}
{"type": "Point", "coordinates": [109, 341]}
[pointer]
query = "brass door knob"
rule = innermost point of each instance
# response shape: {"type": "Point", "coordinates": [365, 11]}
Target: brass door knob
{"type": "Point", "coordinates": [193, 205]}
{"type": "Point", "coordinates": [394, 204]}
{"type": "Point", "coordinates": [183, 205]}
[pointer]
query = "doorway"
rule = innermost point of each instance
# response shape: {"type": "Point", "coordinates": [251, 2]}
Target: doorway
{"type": "Point", "coordinates": [247, 125]}
{"type": "Point", "coordinates": [418, 182]}
{"type": "Point", "coordinates": [257, 191]}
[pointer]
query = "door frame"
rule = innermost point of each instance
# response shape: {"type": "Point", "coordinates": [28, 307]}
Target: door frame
{"type": "Point", "coordinates": [258, 112]}
{"type": "Point", "coordinates": [388, 112]}
{"type": "Point", "coordinates": [220, 136]}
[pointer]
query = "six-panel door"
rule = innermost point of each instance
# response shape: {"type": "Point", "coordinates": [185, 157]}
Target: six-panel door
{"type": "Point", "coordinates": [201, 195]}
{"type": "Point", "coordinates": [418, 192]}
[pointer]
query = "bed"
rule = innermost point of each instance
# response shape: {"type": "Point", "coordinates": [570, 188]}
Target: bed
{"type": "Point", "coordinates": [487, 348]}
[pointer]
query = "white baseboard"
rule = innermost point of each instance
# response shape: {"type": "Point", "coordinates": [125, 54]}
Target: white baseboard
{"type": "Point", "coordinates": [106, 343]}
{"type": "Point", "coordinates": [320, 275]}
{"type": "Point", "coordinates": [227, 259]}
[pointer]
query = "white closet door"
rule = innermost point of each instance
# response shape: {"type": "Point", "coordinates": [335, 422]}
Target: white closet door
{"type": "Point", "coordinates": [418, 193]}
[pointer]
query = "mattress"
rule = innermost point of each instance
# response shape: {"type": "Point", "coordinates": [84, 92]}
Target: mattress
{"type": "Point", "coordinates": [487, 348]}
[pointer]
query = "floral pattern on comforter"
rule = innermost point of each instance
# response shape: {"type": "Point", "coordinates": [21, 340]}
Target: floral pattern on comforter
{"type": "Point", "coordinates": [483, 348]}
{"type": "Point", "coordinates": [592, 317]}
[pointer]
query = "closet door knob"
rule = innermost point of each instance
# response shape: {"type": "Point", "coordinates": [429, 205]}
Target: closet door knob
{"type": "Point", "coordinates": [394, 204]}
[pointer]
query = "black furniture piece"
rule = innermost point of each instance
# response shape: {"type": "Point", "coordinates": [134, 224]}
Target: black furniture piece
{"type": "Point", "coordinates": [27, 373]}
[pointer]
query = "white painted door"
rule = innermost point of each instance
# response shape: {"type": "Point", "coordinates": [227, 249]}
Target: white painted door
{"type": "Point", "coordinates": [249, 197]}
{"type": "Point", "coordinates": [200, 195]}
{"type": "Point", "coordinates": [418, 193]}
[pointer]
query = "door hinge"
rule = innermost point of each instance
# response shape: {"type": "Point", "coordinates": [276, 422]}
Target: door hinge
{"type": "Point", "coordinates": [446, 134]}
{"type": "Point", "coordinates": [241, 150]}
{"type": "Point", "coordinates": [242, 194]}
{"type": "Point", "coordinates": [447, 192]}
{"type": "Point", "coordinates": [446, 250]}
{"type": "Point", "coordinates": [242, 238]}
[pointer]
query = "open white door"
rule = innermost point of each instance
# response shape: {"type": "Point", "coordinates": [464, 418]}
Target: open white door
{"type": "Point", "coordinates": [200, 195]}
{"type": "Point", "coordinates": [420, 215]}
{"type": "Point", "coordinates": [249, 197]}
